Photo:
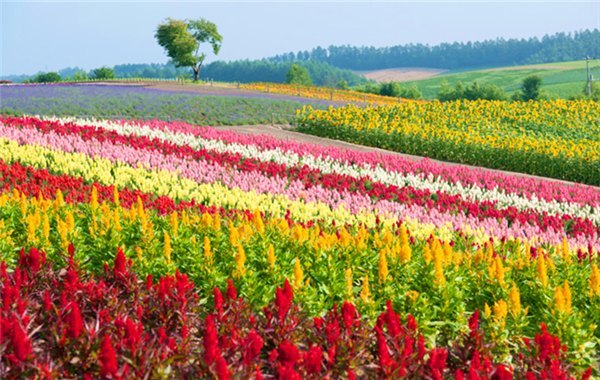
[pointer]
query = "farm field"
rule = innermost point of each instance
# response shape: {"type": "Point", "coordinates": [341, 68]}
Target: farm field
{"type": "Point", "coordinates": [559, 80]}
{"type": "Point", "coordinates": [559, 139]}
{"type": "Point", "coordinates": [168, 248]}
{"type": "Point", "coordinates": [200, 105]}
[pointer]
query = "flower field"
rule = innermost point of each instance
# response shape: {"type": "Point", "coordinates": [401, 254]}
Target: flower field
{"type": "Point", "coordinates": [323, 93]}
{"type": "Point", "coordinates": [137, 102]}
{"type": "Point", "coordinates": [558, 139]}
{"type": "Point", "coordinates": [162, 249]}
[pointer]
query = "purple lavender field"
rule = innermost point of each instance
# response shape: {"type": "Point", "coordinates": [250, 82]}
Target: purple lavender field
{"type": "Point", "coordinates": [210, 106]}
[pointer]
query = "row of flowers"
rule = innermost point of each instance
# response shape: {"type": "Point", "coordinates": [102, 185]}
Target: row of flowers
{"type": "Point", "coordinates": [472, 183]}
{"type": "Point", "coordinates": [517, 286]}
{"type": "Point", "coordinates": [336, 192]}
{"type": "Point", "coordinates": [323, 93]}
{"type": "Point", "coordinates": [300, 178]}
{"type": "Point", "coordinates": [551, 138]}
{"type": "Point", "coordinates": [62, 323]}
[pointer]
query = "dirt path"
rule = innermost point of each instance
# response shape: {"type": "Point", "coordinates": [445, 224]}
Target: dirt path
{"type": "Point", "coordinates": [284, 132]}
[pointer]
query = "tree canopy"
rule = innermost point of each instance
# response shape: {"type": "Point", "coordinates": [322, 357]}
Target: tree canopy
{"type": "Point", "coordinates": [298, 75]}
{"type": "Point", "coordinates": [182, 40]}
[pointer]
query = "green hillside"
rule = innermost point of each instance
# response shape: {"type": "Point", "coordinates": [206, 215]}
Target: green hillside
{"type": "Point", "coordinates": [560, 79]}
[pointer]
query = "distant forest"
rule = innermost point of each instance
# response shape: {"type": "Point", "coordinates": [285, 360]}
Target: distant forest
{"type": "Point", "coordinates": [458, 55]}
{"type": "Point", "coordinates": [322, 74]}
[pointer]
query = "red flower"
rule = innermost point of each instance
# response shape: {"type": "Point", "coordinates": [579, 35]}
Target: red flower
{"type": "Point", "coordinates": [74, 320]}
{"type": "Point", "coordinates": [288, 373]}
{"type": "Point", "coordinates": [502, 373]}
{"type": "Point", "coordinates": [20, 342]}
{"type": "Point", "coordinates": [120, 266]}
{"type": "Point", "coordinates": [313, 360]}
{"type": "Point", "coordinates": [349, 314]}
{"type": "Point", "coordinates": [351, 374]}
{"type": "Point", "coordinates": [108, 357]}
{"type": "Point", "coordinates": [288, 353]}
{"type": "Point", "coordinates": [222, 369]}
{"type": "Point", "coordinates": [474, 321]}
{"type": "Point", "coordinates": [211, 341]}
{"type": "Point", "coordinates": [437, 362]}
{"type": "Point", "coordinates": [231, 291]}
{"type": "Point", "coordinates": [411, 323]}
{"type": "Point", "coordinates": [252, 346]}
{"type": "Point", "coordinates": [218, 300]}
{"type": "Point", "coordinates": [47, 301]}
{"type": "Point", "coordinates": [31, 261]}
{"type": "Point", "coordinates": [283, 300]}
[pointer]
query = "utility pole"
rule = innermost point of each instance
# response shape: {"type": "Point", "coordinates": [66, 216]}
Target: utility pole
{"type": "Point", "coordinates": [589, 76]}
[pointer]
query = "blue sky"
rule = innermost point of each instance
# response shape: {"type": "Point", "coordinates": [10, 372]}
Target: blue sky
{"type": "Point", "coordinates": [48, 36]}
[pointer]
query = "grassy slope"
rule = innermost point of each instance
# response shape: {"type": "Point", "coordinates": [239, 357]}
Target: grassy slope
{"type": "Point", "coordinates": [560, 79]}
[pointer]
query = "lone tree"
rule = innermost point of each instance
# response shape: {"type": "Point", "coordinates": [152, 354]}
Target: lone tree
{"type": "Point", "coordinates": [530, 89]}
{"type": "Point", "coordinates": [182, 39]}
{"type": "Point", "coordinates": [298, 75]}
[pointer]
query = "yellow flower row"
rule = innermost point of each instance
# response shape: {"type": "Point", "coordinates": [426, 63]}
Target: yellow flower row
{"type": "Point", "coordinates": [555, 128]}
{"type": "Point", "coordinates": [324, 93]}
{"type": "Point", "coordinates": [244, 246]}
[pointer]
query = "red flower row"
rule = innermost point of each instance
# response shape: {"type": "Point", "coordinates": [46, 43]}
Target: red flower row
{"type": "Point", "coordinates": [447, 203]}
{"type": "Point", "coordinates": [63, 323]}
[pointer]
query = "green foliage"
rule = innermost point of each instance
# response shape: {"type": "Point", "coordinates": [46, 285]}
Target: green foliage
{"type": "Point", "coordinates": [79, 76]}
{"type": "Point", "coordinates": [246, 71]}
{"type": "Point", "coordinates": [298, 75]}
{"type": "Point", "coordinates": [151, 70]}
{"type": "Point", "coordinates": [393, 89]}
{"type": "Point", "coordinates": [342, 85]}
{"type": "Point", "coordinates": [531, 88]}
{"type": "Point", "coordinates": [103, 73]}
{"type": "Point", "coordinates": [182, 40]}
{"type": "Point", "coordinates": [473, 91]}
{"type": "Point", "coordinates": [46, 78]}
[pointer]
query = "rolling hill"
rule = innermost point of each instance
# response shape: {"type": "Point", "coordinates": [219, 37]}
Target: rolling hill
{"type": "Point", "coordinates": [560, 79]}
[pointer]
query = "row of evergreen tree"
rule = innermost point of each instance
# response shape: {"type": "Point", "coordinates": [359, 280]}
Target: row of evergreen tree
{"type": "Point", "coordinates": [457, 55]}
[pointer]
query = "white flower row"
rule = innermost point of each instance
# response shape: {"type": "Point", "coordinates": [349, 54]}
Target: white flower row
{"type": "Point", "coordinates": [356, 170]}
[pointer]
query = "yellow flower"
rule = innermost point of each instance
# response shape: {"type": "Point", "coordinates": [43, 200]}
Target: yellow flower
{"type": "Point", "coordinates": [46, 229]}
{"type": "Point", "coordinates": [541, 270]}
{"type": "Point", "coordinates": [167, 248]}
{"type": "Point", "coordinates": [94, 198]}
{"type": "Point", "coordinates": [174, 221]}
{"type": "Point", "coordinates": [383, 267]}
{"type": "Point", "coordinates": [595, 281]}
{"type": "Point", "coordinates": [500, 311]}
{"type": "Point", "coordinates": [565, 251]}
{"type": "Point", "coordinates": [562, 298]}
{"type": "Point", "coordinates": [487, 311]}
{"type": "Point", "coordinates": [412, 295]}
{"type": "Point", "coordinates": [240, 261]}
{"type": "Point", "coordinates": [116, 196]}
{"type": "Point", "coordinates": [365, 293]}
{"type": "Point", "coordinates": [514, 298]}
{"type": "Point", "coordinates": [349, 284]}
{"type": "Point", "coordinates": [208, 255]}
{"type": "Point", "coordinates": [298, 274]}
{"type": "Point", "coordinates": [271, 257]}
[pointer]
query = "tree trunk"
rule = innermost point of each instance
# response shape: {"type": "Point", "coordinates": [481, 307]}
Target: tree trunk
{"type": "Point", "coordinates": [196, 73]}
